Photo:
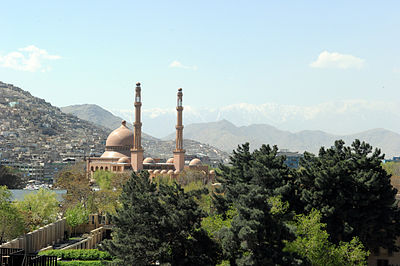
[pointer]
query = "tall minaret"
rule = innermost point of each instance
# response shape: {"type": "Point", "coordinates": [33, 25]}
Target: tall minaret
{"type": "Point", "coordinates": [137, 150]}
{"type": "Point", "coordinates": [179, 152]}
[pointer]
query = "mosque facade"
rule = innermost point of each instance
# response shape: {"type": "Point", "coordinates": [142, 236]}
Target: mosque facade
{"type": "Point", "coordinates": [124, 151]}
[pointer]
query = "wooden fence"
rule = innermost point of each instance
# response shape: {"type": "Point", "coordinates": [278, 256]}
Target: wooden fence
{"type": "Point", "coordinates": [36, 240]}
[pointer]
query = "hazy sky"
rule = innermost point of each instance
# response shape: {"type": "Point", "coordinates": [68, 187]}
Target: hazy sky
{"type": "Point", "coordinates": [219, 52]}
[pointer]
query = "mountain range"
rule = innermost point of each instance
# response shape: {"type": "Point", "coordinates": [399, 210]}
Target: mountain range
{"type": "Point", "coordinates": [225, 135]}
{"type": "Point", "coordinates": [336, 117]}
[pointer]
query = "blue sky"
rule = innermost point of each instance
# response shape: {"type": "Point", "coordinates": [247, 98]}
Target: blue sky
{"type": "Point", "coordinates": [220, 52]}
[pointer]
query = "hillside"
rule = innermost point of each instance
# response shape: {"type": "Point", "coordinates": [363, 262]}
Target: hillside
{"type": "Point", "coordinates": [226, 136]}
{"type": "Point", "coordinates": [94, 114]}
{"type": "Point", "coordinates": [99, 116]}
{"type": "Point", "coordinates": [34, 131]}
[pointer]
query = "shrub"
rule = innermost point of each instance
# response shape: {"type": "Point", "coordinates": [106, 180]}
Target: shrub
{"type": "Point", "coordinates": [78, 254]}
{"type": "Point", "coordinates": [80, 263]}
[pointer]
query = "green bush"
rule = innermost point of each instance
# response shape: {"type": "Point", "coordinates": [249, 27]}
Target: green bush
{"type": "Point", "coordinates": [80, 263]}
{"type": "Point", "coordinates": [78, 254]}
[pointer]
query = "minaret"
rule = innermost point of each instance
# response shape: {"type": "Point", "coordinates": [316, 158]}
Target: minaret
{"type": "Point", "coordinates": [179, 152]}
{"type": "Point", "coordinates": [137, 150]}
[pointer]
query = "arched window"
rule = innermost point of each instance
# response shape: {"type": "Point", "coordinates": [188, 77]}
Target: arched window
{"type": "Point", "coordinates": [91, 168]}
{"type": "Point", "coordinates": [106, 168]}
{"type": "Point", "coordinates": [97, 168]}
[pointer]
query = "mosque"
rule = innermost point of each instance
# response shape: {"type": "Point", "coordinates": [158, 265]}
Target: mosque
{"type": "Point", "coordinates": [124, 151]}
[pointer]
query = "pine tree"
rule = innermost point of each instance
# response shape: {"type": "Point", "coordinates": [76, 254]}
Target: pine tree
{"type": "Point", "coordinates": [255, 236]}
{"type": "Point", "coordinates": [159, 222]}
{"type": "Point", "coordinates": [353, 193]}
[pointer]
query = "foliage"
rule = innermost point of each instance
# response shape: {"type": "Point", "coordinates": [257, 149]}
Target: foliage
{"type": "Point", "coordinates": [312, 244]}
{"type": "Point", "coordinates": [103, 179]}
{"type": "Point", "coordinates": [255, 234]}
{"type": "Point", "coordinates": [189, 176]}
{"type": "Point", "coordinates": [74, 180]}
{"type": "Point", "coordinates": [353, 193]}
{"type": "Point", "coordinates": [79, 191]}
{"type": "Point", "coordinates": [263, 168]}
{"type": "Point", "coordinates": [159, 223]}
{"type": "Point", "coordinates": [38, 209]}
{"type": "Point", "coordinates": [76, 215]}
{"type": "Point", "coordinates": [80, 263]}
{"type": "Point", "coordinates": [392, 168]}
{"type": "Point", "coordinates": [214, 223]}
{"type": "Point", "coordinates": [78, 254]}
{"type": "Point", "coordinates": [11, 222]}
{"type": "Point", "coordinates": [10, 178]}
{"type": "Point", "coordinates": [190, 180]}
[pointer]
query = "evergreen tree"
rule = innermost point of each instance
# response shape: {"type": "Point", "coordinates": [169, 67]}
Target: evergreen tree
{"type": "Point", "coordinates": [353, 193]}
{"type": "Point", "coordinates": [10, 178]}
{"type": "Point", "coordinates": [159, 222]}
{"type": "Point", "coordinates": [255, 236]}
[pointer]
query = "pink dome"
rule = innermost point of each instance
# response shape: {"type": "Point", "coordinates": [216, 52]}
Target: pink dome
{"type": "Point", "coordinates": [156, 172]}
{"type": "Point", "coordinates": [148, 160]}
{"type": "Point", "coordinates": [170, 172]}
{"type": "Point", "coordinates": [163, 172]}
{"type": "Point", "coordinates": [122, 136]}
{"type": "Point", "coordinates": [170, 160]}
{"type": "Point", "coordinates": [195, 162]}
{"type": "Point", "coordinates": [124, 160]}
{"type": "Point", "coordinates": [112, 154]}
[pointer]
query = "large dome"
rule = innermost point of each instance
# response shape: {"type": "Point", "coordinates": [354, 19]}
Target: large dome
{"type": "Point", "coordinates": [122, 136]}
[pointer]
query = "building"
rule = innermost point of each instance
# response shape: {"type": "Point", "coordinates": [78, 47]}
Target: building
{"type": "Point", "coordinates": [124, 151]}
{"type": "Point", "coordinates": [292, 158]}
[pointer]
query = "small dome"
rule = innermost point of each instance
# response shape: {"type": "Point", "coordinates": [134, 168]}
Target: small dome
{"type": "Point", "coordinates": [170, 172]}
{"type": "Point", "coordinates": [156, 172]}
{"type": "Point", "coordinates": [163, 172]}
{"type": "Point", "coordinates": [124, 160]}
{"type": "Point", "coordinates": [177, 172]}
{"type": "Point", "coordinates": [170, 160]}
{"type": "Point", "coordinates": [148, 160]}
{"type": "Point", "coordinates": [122, 136]}
{"type": "Point", "coordinates": [212, 172]}
{"type": "Point", "coordinates": [195, 162]}
{"type": "Point", "coordinates": [150, 171]}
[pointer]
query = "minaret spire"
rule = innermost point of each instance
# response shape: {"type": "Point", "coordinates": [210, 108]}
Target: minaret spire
{"type": "Point", "coordinates": [179, 152]}
{"type": "Point", "coordinates": [137, 150]}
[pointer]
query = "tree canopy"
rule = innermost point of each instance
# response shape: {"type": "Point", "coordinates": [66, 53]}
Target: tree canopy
{"type": "Point", "coordinates": [38, 209]}
{"type": "Point", "coordinates": [160, 222]}
{"type": "Point", "coordinates": [10, 178]}
{"type": "Point", "coordinates": [11, 221]}
{"type": "Point", "coordinates": [256, 235]}
{"type": "Point", "coordinates": [312, 243]}
{"type": "Point", "coordinates": [348, 185]}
